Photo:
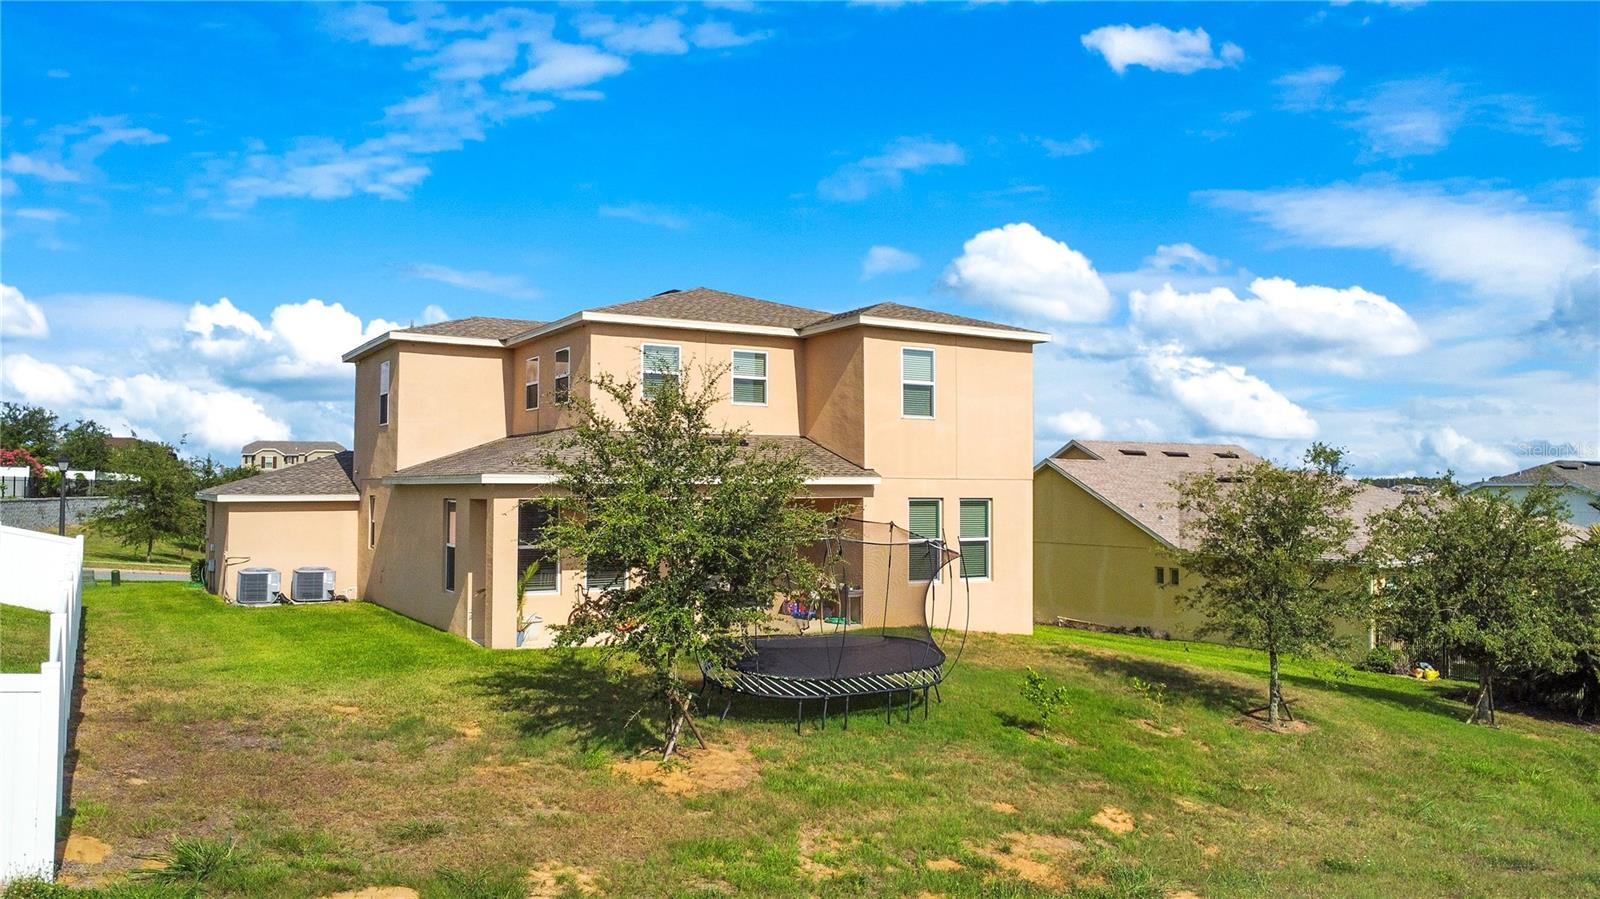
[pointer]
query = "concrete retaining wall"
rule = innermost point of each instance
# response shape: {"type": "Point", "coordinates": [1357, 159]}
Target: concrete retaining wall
{"type": "Point", "coordinates": [44, 513]}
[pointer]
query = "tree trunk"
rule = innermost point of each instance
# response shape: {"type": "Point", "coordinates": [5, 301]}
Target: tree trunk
{"type": "Point", "coordinates": [149, 547]}
{"type": "Point", "coordinates": [1483, 709]}
{"type": "Point", "coordinates": [1274, 690]}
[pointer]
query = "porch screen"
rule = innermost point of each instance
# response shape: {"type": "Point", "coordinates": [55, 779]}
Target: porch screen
{"type": "Point", "coordinates": [531, 520]}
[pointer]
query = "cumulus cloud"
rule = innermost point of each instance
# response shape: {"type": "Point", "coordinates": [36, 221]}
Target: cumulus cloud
{"type": "Point", "coordinates": [886, 260]}
{"type": "Point", "coordinates": [1223, 399]}
{"type": "Point", "coordinates": [1448, 449]}
{"type": "Point", "coordinates": [886, 170]}
{"type": "Point", "coordinates": [1016, 267]}
{"type": "Point", "coordinates": [20, 318]}
{"type": "Point", "coordinates": [1075, 424]}
{"type": "Point", "coordinates": [1182, 257]}
{"type": "Point", "coordinates": [215, 418]}
{"type": "Point", "coordinates": [1159, 48]}
{"type": "Point", "coordinates": [1280, 319]}
{"type": "Point", "coordinates": [487, 282]}
{"type": "Point", "coordinates": [562, 66]}
{"type": "Point", "coordinates": [303, 341]}
{"type": "Point", "coordinates": [1496, 243]}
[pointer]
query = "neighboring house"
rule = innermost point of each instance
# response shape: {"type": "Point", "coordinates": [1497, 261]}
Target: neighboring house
{"type": "Point", "coordinates": [1106, 528]}
{"type": "Point", "coordinates": [910, 415]}
{"type": "Point", "coordinates": [269, 455]}
{"type": "Point", "coordinates": [1577, 482]}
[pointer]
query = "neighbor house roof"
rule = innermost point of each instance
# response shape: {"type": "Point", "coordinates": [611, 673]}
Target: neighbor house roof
{"type": "Point", "coordinates": [515, 460]}
{"type": "Point", "coordinates": [292, 447]}
{"type": "Point", "coordinates": [1582, 474]}
{"type": "Point", "coordinates": [1137, 480]}
{"type": "Point", "coordinates": [321, 480]}
{"type": "Point", "coordinates": [706, 309]}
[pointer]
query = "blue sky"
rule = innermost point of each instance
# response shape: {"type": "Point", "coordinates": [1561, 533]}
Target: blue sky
{"type": "Point", "coordinates": [1368, 224]}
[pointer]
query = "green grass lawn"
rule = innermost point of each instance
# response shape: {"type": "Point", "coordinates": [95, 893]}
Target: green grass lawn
{"type": "Point", "coordinates": [343, 746]}
{"type": "Point", "coordinates": [104, 551]}
{"type": "Point", "coordinates": [24, 638]}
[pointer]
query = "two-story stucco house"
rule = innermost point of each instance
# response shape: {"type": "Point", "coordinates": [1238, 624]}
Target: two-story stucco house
{"type": "Point", "coordinates": [911, 415]}
{"type": "Point", "coordinates": [268, 455]}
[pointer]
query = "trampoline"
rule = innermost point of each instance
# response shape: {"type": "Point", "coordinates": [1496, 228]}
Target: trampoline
{"type": "Point", "coordinates": [870, 632]}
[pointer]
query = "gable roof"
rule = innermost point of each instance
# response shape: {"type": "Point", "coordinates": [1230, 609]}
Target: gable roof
{"type": "Point", "coordinates": [700, 308]}
{"type": "Point", "coordinates": [1582, 474]}
{"type": "Point", "coordinates": [292, 446]}
{"type": "Point", "coordinates": [321, 480]}
{"type": "Point", "coordinates": [1141, 488]}
{"type": "Point", "coordinates": [514, 460]}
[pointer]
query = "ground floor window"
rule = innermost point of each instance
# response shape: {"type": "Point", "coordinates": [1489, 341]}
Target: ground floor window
{"type": "Point", "coordinates": [925, 554]}
{"type": "Point", "coordinates": [975, 539]}
{"type": "Point", "coordinates": [604, 574]}
{"type": "Point", "coordinates": [532, 518]}
{"type": "Point", "coordinates": [450, 545]}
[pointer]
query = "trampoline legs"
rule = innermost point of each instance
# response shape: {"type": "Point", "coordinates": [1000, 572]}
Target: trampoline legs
{"type": "Point", "coordinates": [924, 703]}
{"type": "Point", "coordinates": [799, 709]}
{"type": "Point", "coordinates": [726, 707]}
{"type": "Point", "coordinates": [936, 694]}
{"type": "Point", "coordinates": [847, 713]}
{"type": "Point", "coordinates": [824, 713]}
{"type": "Point", "coordinates": [911, 700]}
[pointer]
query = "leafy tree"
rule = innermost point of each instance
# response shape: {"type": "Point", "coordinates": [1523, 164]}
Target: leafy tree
{"type": "Point", "coordinates": [33, 428]}
{"type": "Point", "coordinates": [156, 502]}
{"type": "Point", "coordinates": [1268, 547]}
{"type": "Point", "coordinates": [87, 445]}
{"type": "Point", "coordinates": [1478, 573]}
{"type": "Point", "coordinates": [1580, 596]}
{"type": "Point", "coordinates": [704, 521]}
{"type": "Point", "coordinates": [208, 473]}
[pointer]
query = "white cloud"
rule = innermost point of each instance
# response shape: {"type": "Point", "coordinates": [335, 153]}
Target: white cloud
{"type": "Point", "coordinates": [1016, 267]}
{"type": "Point", "coordinates": [1446, 448]}
{"type": "Point", "coordinates": [487, 282]}
{"type": "Point", "coordinates": [560, 66]}
{"type": "Point", "coordinates": [371, 23]}
{"type": "Point", "coordinates": [886, 170]}
{"type": "Point", "coordinates": [1494, 242]}
{"type": "Point", "coordinates": [432, 314]}
{"type": "Point", "coordinates": [43, 169]}
{"type": "Point", "coordinates": [1160, 48]}
{"type": "Point", "coordinates": [1182, 257]}
{"type": "Point", "coordinates": [19, 318]}
{"type": "Point", "coordinates": [646, 214]}
{"type": "Point", "coordinates": [1077, 146]}
{"type": "Point", "coordinates": [1224, 399]}
{"type": "Point", "coordinates": [886, 260]}
{"type": "Point", "coordinates": [714, 35]}
{"type": "Point", "coordinates": [215, 418]}
{"type": "Point", "coordinates": [641, 34]}
{"type": "Point", "coordinates": [1307, 89]}
{"type": "Point", "coordinates": [303, 341]}
{"type": "Point", "coordinates": [1075, 424]}
{"type": "Point", "coordinates": [222, 330]}
{"type": "Point", "coordinates": [1409, 118]}
{"type": "Point", "coordinates": [1281, 319]}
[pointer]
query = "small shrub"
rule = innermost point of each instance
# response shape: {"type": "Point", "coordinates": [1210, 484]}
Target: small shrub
{"type": "Point", "coordinates": [1153, 691]}
{"type": "Point", "coordinates": [1381, 659]}
{"type": "Point", "coordinates": [1047, 700]}
{"type": "Point", "coordinates": [192, 860]}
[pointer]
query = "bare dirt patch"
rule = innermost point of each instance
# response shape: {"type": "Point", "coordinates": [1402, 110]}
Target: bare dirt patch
{"type": "Point", "coordinates": [86, 850]}
{"type": "Point", "coordinates": [1180, 894]}
{"type": "Point", "coordinates": [376, 893]}
{"type": "Point", "coordinates": [1149, 726]}
{"type": "Point", "coordinates": [1259, 722]}
{"type": "Point", "coordinates": [553, 879]}
{"type": "Point", "coordinates": [345, 709]}
{"type": "Point", "coordinates": [695, 771]}
{"type": "Point", "coordinates": [468, 729]}
{"type": "Point", "coordinates": [1040, 859]}
{"type": "Point", "coordinates": [1004, 808]}
{"type": "Point", "coordinates": [1114, 820]}
{"type": "Point", "coordinates": [943, 864]}
{"type": "Point", "coordinates": [815, 842]}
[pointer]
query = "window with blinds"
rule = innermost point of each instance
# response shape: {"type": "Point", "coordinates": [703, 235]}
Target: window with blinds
{"type": "Point", "coordinates": [924, 526]}
{"type": "Point", "coordinates": [532, 518]}
{"type": "Point", "coordinates": [975, 540]}
{"type": "Point", "coordinates": [530, 387]}
{"type": "Point", "coordinates": [450, 545]}
{"type": "Point", "coordinates": [916, 383]}
{"type": "Point", "coordinates": [563, 374]}
{"type": "Point", "coordinates": [749, 378]}
{"type": "Point", "coordinates": [605, 574]}
{"type": "Point", "coordinates": [657, 363]}
{"type": "Point", "coordinates": [383, 393]}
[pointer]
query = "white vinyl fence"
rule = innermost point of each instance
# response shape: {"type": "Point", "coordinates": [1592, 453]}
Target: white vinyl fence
{"type": "Point", "coordinates": [44, 572]}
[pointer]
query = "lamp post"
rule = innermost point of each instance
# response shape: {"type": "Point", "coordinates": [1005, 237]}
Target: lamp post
{"type": "Point", "coordinates": [61, 466]}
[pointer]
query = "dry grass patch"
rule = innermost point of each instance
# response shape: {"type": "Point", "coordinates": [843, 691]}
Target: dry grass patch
{"type": "Point", "coordinates": [1040, 859]}
{"type": "Point", "coordinates": [552, 880]}
{"type": "Point", "coordinates": [376, 893]}
{"type": "Point", "coordinates": [717, 768]}
{"type": "Point", "coordinates": [1114, 820]}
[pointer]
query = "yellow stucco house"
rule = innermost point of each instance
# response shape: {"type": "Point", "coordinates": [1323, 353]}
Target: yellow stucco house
{"type": "Point", "coordinates": [909, 414]}
{"type": "Point", "coordinates": [1106, 528]}
{"type": "Point", "coordinates": [269, 455]}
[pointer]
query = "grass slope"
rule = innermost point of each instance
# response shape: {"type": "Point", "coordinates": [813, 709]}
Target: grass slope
{"type": "Point", "coordinates": [104, 551]}
{"type": "Point", "coordinates": [343, 746]}
{"type": "Point", "coordinates": [24, 638]}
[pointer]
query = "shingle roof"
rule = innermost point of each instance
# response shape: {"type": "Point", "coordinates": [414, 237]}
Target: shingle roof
{"type": "Point", "coordinates": [519, 456]}
{"type": "Point", "coordinates": [328, 476]}
{"type": "Point", "coordinates": [1583, 474]}
{"type": "Point", "coordinates": [707, 305]}
{"type": "Point", "coordinates": [917, 314]}
{"type": "Point", "coordinates": [292, 446]}
{"type": "Point", "coordinates": [476, 326]}
{"type": "Point", "coordinates": [1142, 487]}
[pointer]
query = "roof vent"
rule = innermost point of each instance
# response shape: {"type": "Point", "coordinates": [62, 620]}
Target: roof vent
{"type": "Point", "coordinates": [1569, 466]}
{"type": "Point", "coordinates": [1227, 455]}
{"type": "Point", "coordinates": [665, 292]}
{"type": "Point", "coordinates": [1132, 452]}
{"type": "Point", "coordinates": [1177, 454]}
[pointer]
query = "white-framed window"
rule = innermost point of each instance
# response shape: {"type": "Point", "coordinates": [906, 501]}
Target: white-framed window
{"type": "Point", "coordinates": [604, 574]}
{"type": "Point", "coordinates": [657, 363]}
{"type": "Point", "coordinates": [749, 378]}
{"type": "Point", "coordinates": [530, 384]}
{"type": "Point", "coordinates": [383, 392]}
{"type": "Point", "coordinates": [924, 520]}
{"type": "Point", "coordinates": [916, 382]}
{"type": "Point", "coordinates": [563, 374]}
{"type": "Point", "coordinates": [532, 518]}
{"type": "Point", "coordinates": [372, 521]}
{"type": "Point", "coordinates": [450, 545]}
{"type": "Point", "coordinates": [975, 538]}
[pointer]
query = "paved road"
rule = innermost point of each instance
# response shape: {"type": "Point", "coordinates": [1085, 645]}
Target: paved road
{"type": "Point", "coordinates": [128, 574]}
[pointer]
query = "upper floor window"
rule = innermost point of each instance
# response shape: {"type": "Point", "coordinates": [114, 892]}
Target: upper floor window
{"type": "Point", "coordinates": [532, 519]}
{"type": "Point", "coordinates": [563, 374]}
{"type": "Point", "coordinates": [975, 538]}
{"type": "Point", "coordinates": [530, 386]}
{"type": "Point", "coordinates": [916, 383]}
{"type": "Point", "coordinates": [657, 363]}
{"type": "Point", "coordinates": [383, 393]}
{"type": "Point", "coordinates": [926, 551]}
{"type": "Point", "coordinates": [749, 377]}
{"type": "Point", "coordinates": [269, 461]}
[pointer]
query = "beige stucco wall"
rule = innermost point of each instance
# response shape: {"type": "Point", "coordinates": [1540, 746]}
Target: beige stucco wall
{"type": "Point", "coordinates": [284, 536]}
{"type": "Point", "coordinates": [833, 405]}
{"type": "Point", "coordinates": [548, 416]}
